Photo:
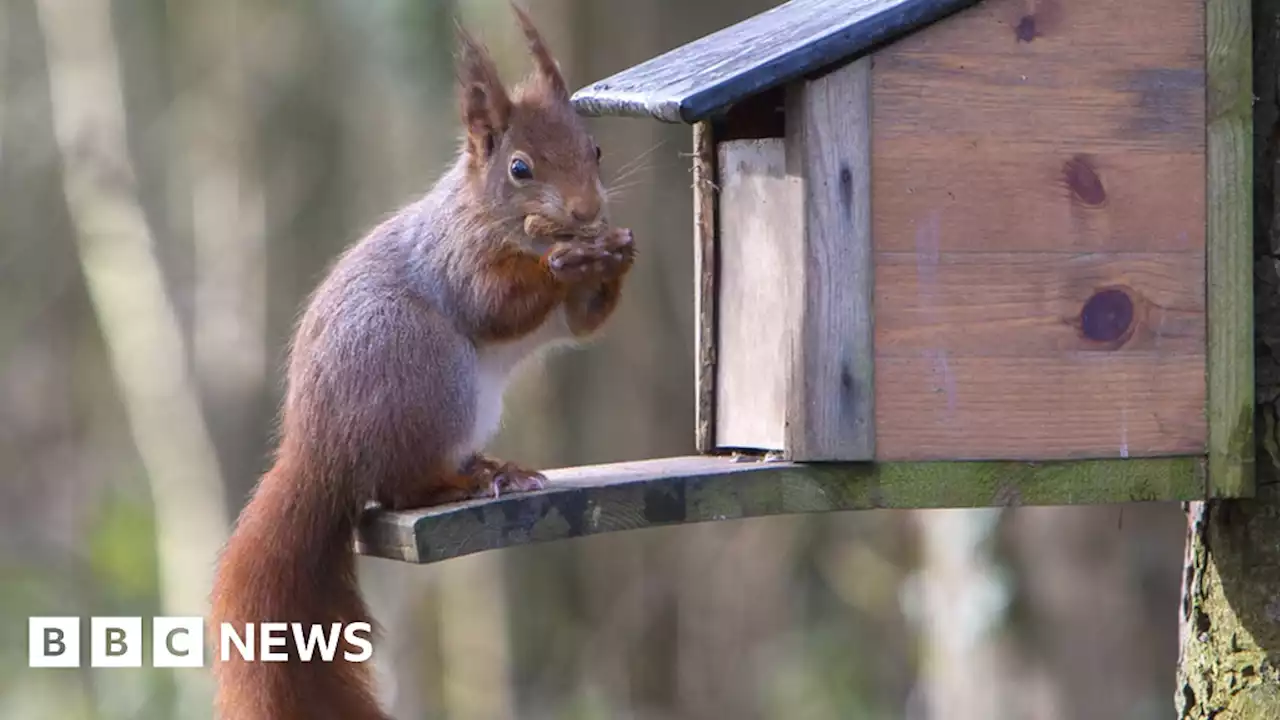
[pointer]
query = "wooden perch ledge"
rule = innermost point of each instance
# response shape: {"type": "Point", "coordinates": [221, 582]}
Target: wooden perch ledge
{"type": "Point", "coordinates": [651, 493]}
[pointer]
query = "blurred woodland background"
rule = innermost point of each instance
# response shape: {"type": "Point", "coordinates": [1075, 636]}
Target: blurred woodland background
{"type": "Point", "coordinates": [175, 175]}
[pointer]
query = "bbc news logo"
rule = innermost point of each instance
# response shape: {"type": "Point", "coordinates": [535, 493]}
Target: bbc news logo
{"type": "Point", "coordinates": [178, 642]}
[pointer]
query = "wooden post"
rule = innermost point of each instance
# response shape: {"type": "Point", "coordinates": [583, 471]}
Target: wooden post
{"type": "Point", "coordinates": [794, 353]}
{"type": "Point", "coordinates": [1230, 258]}
{"type": "Point", "coordinates": [830, 414]}
{"type": "Point", "coordinates": [1230, 637]}
{"type": "Point", "coordinates": [704, 269]}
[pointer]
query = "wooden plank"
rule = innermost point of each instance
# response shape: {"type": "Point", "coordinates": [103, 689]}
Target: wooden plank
{"type": "Point", "coordinates": [1156, 111]}
{"type": "Point", "coordinates": [1048, 195]}
{"type": "Point", "coordinates": [694, 81]}
{"type": "Point", "coordinates": [1131, 72]}
{"type": "Point", "coordinates": [1230, 199]}
{"type": "Point", "coordinates": [1071, 405]}
{"type": "Point", "coordinates": [1039, 233]}
{"type": "Point", "coordinates": [705, 193]}
{"type": "Point", "coordinates": [759, 294]}
{"type": "Point", "coordinates": [586, 501]}
{"type": "Point", "coordinates": [830, 397]}
{"type": "Point", "coordinates": [1037, 304]}
{"type": "Point", "coordinates": [1061, 136]}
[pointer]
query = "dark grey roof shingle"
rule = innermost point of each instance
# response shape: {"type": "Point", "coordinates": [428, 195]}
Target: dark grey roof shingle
{"type": "Point", "coordinates": [696, 80]}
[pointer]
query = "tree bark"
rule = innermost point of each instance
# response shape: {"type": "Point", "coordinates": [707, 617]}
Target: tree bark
{"type": "Point", "coordinates": [138, 321]}
{"type": "Point", "coordinates": [1230, 646]}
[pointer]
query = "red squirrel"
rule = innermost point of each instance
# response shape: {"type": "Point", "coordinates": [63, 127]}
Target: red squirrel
{"type": "Point", "coordinates": [398, 367]}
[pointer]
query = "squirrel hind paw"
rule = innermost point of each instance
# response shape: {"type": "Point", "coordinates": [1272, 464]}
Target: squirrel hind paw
{"type": "Point", "coordinates": [513, 479]}
{"type": "Point", "coordinates": [493, 479]}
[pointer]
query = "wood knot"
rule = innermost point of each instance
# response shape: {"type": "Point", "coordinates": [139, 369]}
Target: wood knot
{"type": "Point", "coordinates": [1107, 317]}
{"type": "Point", "coordinates": [1082, 179]}
{"type": "Point", "coordinates": [1026, 28]}
{"type": "Point", "coordinates": [1042, 19]}
{"type": "Point", "coordinates": [846, 189]}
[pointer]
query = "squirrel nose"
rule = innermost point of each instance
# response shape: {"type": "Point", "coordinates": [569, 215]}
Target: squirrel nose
{"type": "Point", "coordinates": [584, 210]}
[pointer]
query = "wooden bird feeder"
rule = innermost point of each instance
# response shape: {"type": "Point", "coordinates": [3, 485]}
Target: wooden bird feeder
{"type": "Point", "coordinates": [949, 253]}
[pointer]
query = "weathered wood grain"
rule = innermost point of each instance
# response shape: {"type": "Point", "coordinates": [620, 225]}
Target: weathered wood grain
{"type": "Point", "coordinates": [1033, 304]}
{"type": "Point", "coordinates": [830, 396]}
{"type": "Point", "coordinates": [705, 193]}
{"type": "Point", "coordinates": [787, 42]}
{"type": "Point", "coordinates": [759, 292]}
{"type": "Point", "coordinates": [1230, 272]}
{"type": "Point", "coordinates": [1039, 232]}
{"type": "Point", "coordinates": [1071, 405]}
{"type": "Point", "coordinates": [943, 194]}
{"type": "Point", "coordinates": [1126, 75]}
{"type": "Point", "coordinates": [587, 501]}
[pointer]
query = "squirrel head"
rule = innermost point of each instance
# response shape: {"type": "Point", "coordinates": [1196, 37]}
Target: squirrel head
{"type": "Point", "coordinates": [528, 153]}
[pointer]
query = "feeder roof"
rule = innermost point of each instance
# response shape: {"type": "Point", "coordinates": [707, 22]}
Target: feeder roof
{"type": "Point", "coordinates": [706, 76]}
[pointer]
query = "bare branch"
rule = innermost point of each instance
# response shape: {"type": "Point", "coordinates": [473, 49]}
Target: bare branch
{"type": "Point", "coordinates": [125, 285]}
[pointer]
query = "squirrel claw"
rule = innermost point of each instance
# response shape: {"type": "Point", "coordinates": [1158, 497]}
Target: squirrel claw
{"type": "Point", "coordinates": [568, 255]}
{"type": "Point", "coordinates": [493, 478]}
{"type": "Point", "coordinates": [574, 262]}
{"type": "Point", "coordinates": [619, 241]}
{"type": "Point", "coordinates": [517, 480]}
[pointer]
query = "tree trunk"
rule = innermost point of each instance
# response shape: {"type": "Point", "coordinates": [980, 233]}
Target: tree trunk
{"type": "Point", "coordinates": [1230, 659]}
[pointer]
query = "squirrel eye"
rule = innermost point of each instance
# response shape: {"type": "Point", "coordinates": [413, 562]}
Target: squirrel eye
{"type": "Point", "coordinates": [598, 153]}
{"type": "Point", "coordinates": [520, 169]}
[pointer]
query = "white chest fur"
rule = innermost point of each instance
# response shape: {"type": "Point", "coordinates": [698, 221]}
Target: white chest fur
{"type": "Point", "coordinates": [497, 363]}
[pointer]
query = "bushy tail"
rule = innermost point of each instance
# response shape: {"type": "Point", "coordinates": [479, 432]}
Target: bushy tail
{"type": "Point", "coordinates": [290, 560]}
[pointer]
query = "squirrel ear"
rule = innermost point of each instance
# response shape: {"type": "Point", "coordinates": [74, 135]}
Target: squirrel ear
{"type": "Point", "coordinates": [485, 107]}
{"type": "Point", "coordinates": [548, 69]}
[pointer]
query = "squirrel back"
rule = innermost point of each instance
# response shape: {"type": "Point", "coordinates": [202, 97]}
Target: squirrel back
{"type": "Point", "coordinates": [397, 369]}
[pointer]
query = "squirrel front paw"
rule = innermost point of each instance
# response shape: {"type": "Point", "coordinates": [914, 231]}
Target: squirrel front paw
{"type": "Point", "coordinates": [575, 261]}
{"type": "Point", "coordinates": [620, 243]}
{"type": "Point", "coordinates": [578, 261]}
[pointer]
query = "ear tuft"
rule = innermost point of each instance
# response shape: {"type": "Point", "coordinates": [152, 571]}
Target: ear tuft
{"type": "Point", "coordinates": [548, 69]}
{"type": "Point", "coordinates": [484, 104]}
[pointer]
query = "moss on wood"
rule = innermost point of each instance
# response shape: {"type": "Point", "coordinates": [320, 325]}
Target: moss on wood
{"type": "Point", "coordinates": [627, 496]}
{"type": "Point", "coordinates": [1230, 258]}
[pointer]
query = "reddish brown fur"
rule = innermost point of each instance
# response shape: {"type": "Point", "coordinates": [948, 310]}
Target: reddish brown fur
{"type": "Point", "coordinates": [484, 104]}
{"type": "Point", "coordinates": [511, 292]}
{"type": "Point", "coordinates": [548, 70]}
{"type": "Point", "coordinates": [394, 367]}
{"type": "Point", "coordinates": [586, 311]}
